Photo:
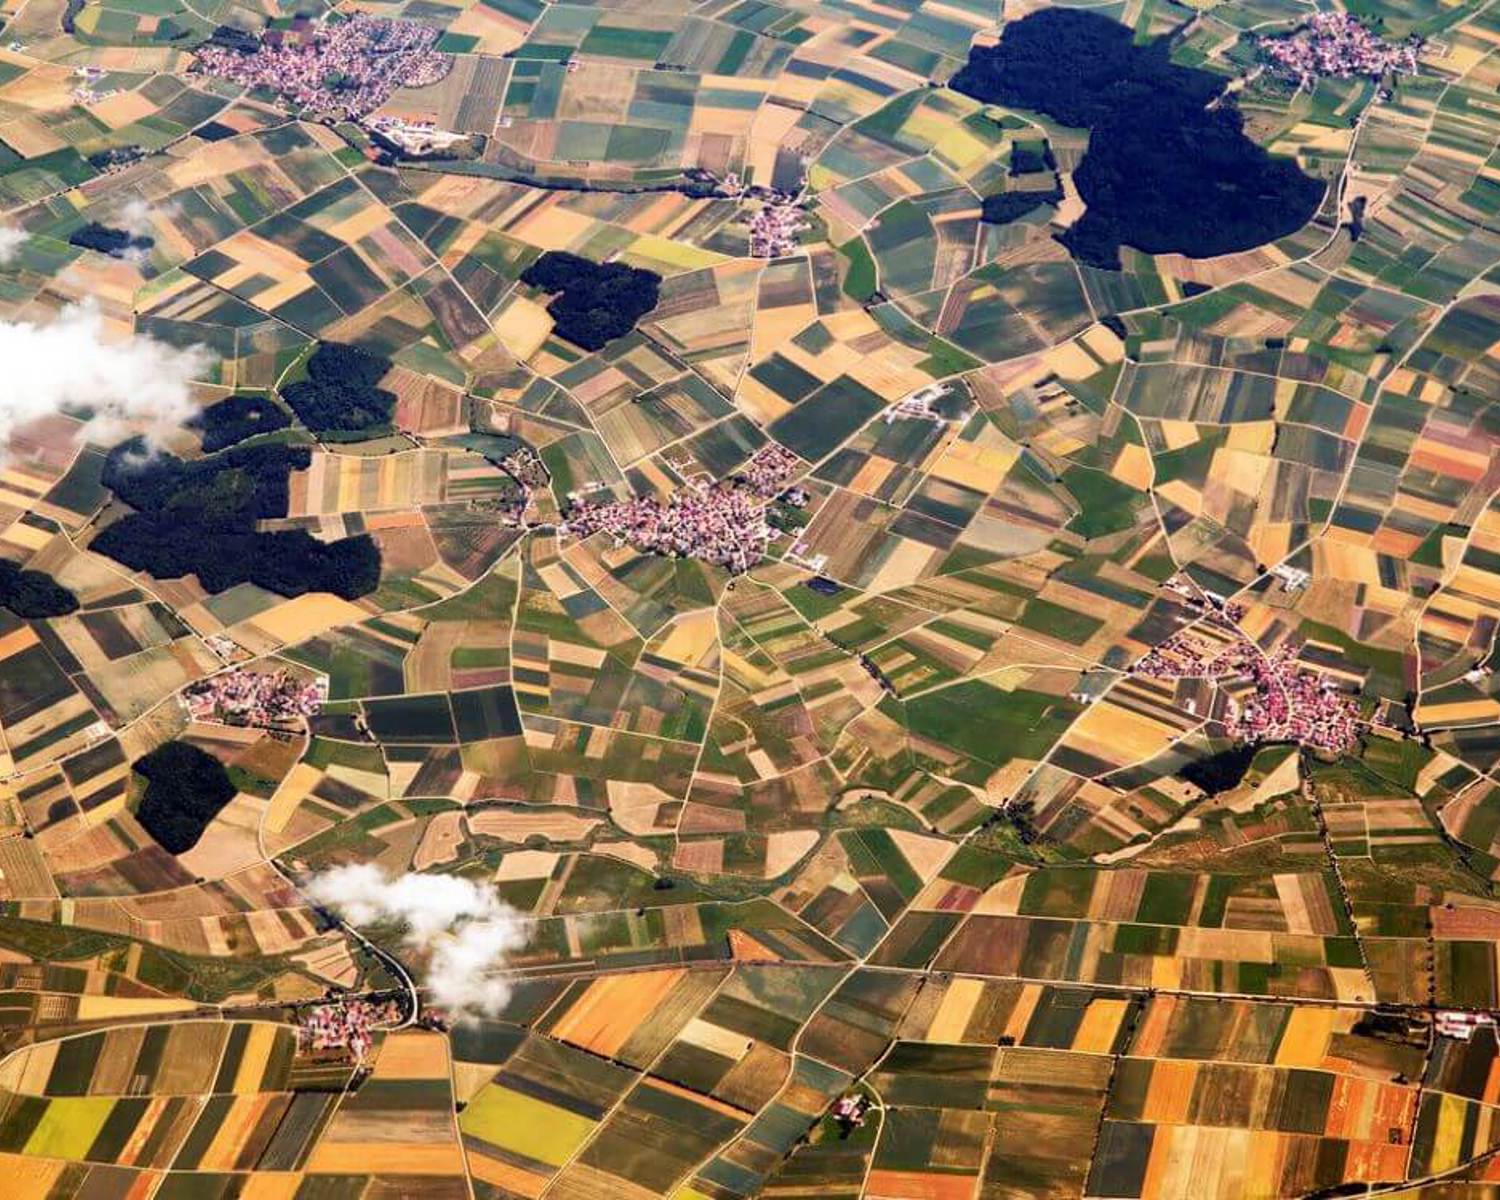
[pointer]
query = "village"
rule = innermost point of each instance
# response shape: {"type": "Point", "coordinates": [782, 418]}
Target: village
{"type": "Point", "coordinates": [724, 524]}
{"type": "Point", "coordinates": [1269, 697]}
{"type": "Point", "coordinates": [1337, 45]}
{"type": "Point", "coordinates": [262, 699]}
{"type": "Point", "coordinates": [338, 69]}
{"type": "Point", "coordinates": [347, 1025]}
{"type": "Point", "coordinates": [775, 226]}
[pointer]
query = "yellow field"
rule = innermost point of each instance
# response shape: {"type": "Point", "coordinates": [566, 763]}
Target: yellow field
{"type": "Point", "coordinates": [522, 326]}
{"type": "Point", "coordinates": [300, 618]}
{"type": "Point", "coordinates": [413, 1054]}
{"type": "Point", "coordinates": [528, 1126]}
{"type": "Point", "coordinates": [611, 1009]}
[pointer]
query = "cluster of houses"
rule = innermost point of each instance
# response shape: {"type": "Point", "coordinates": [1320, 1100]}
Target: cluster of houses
{"type": "Point", "coordinates": [263, 699]}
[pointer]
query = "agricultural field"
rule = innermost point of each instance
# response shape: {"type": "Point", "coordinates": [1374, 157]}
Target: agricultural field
{"type": "Point", "coordinates": [726, 600]}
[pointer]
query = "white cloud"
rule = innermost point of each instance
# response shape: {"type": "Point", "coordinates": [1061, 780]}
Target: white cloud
{"type": "Point", "coordinates": [465, 929]}
{"type": "Point", "coordinates": [136, 218]}
{"type": "Point", "coordinates": [11, 238]}
{"type": "Point", "coordinates": [137, 382]}
{"type": "Point", "coordinates": [139, 219]}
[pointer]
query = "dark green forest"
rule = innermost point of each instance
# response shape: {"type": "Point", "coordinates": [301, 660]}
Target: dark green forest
{"type": "Point", "coordinates": [200, 518]}
{"type": "Point", "coordinates": [114, 242]}
{"type": "Point", "coordinates": [236, 418]}
{"type": "Point", "coordinates": [33, 594]}
{"type": "Point", "coordinates": [1164, 172]}
{"type": "Point", "coordinates": [340, 396]}
{"type": "Point", "coordinates": [594, 302]}
{"type": "Point", "coordinates": [185, 789]}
